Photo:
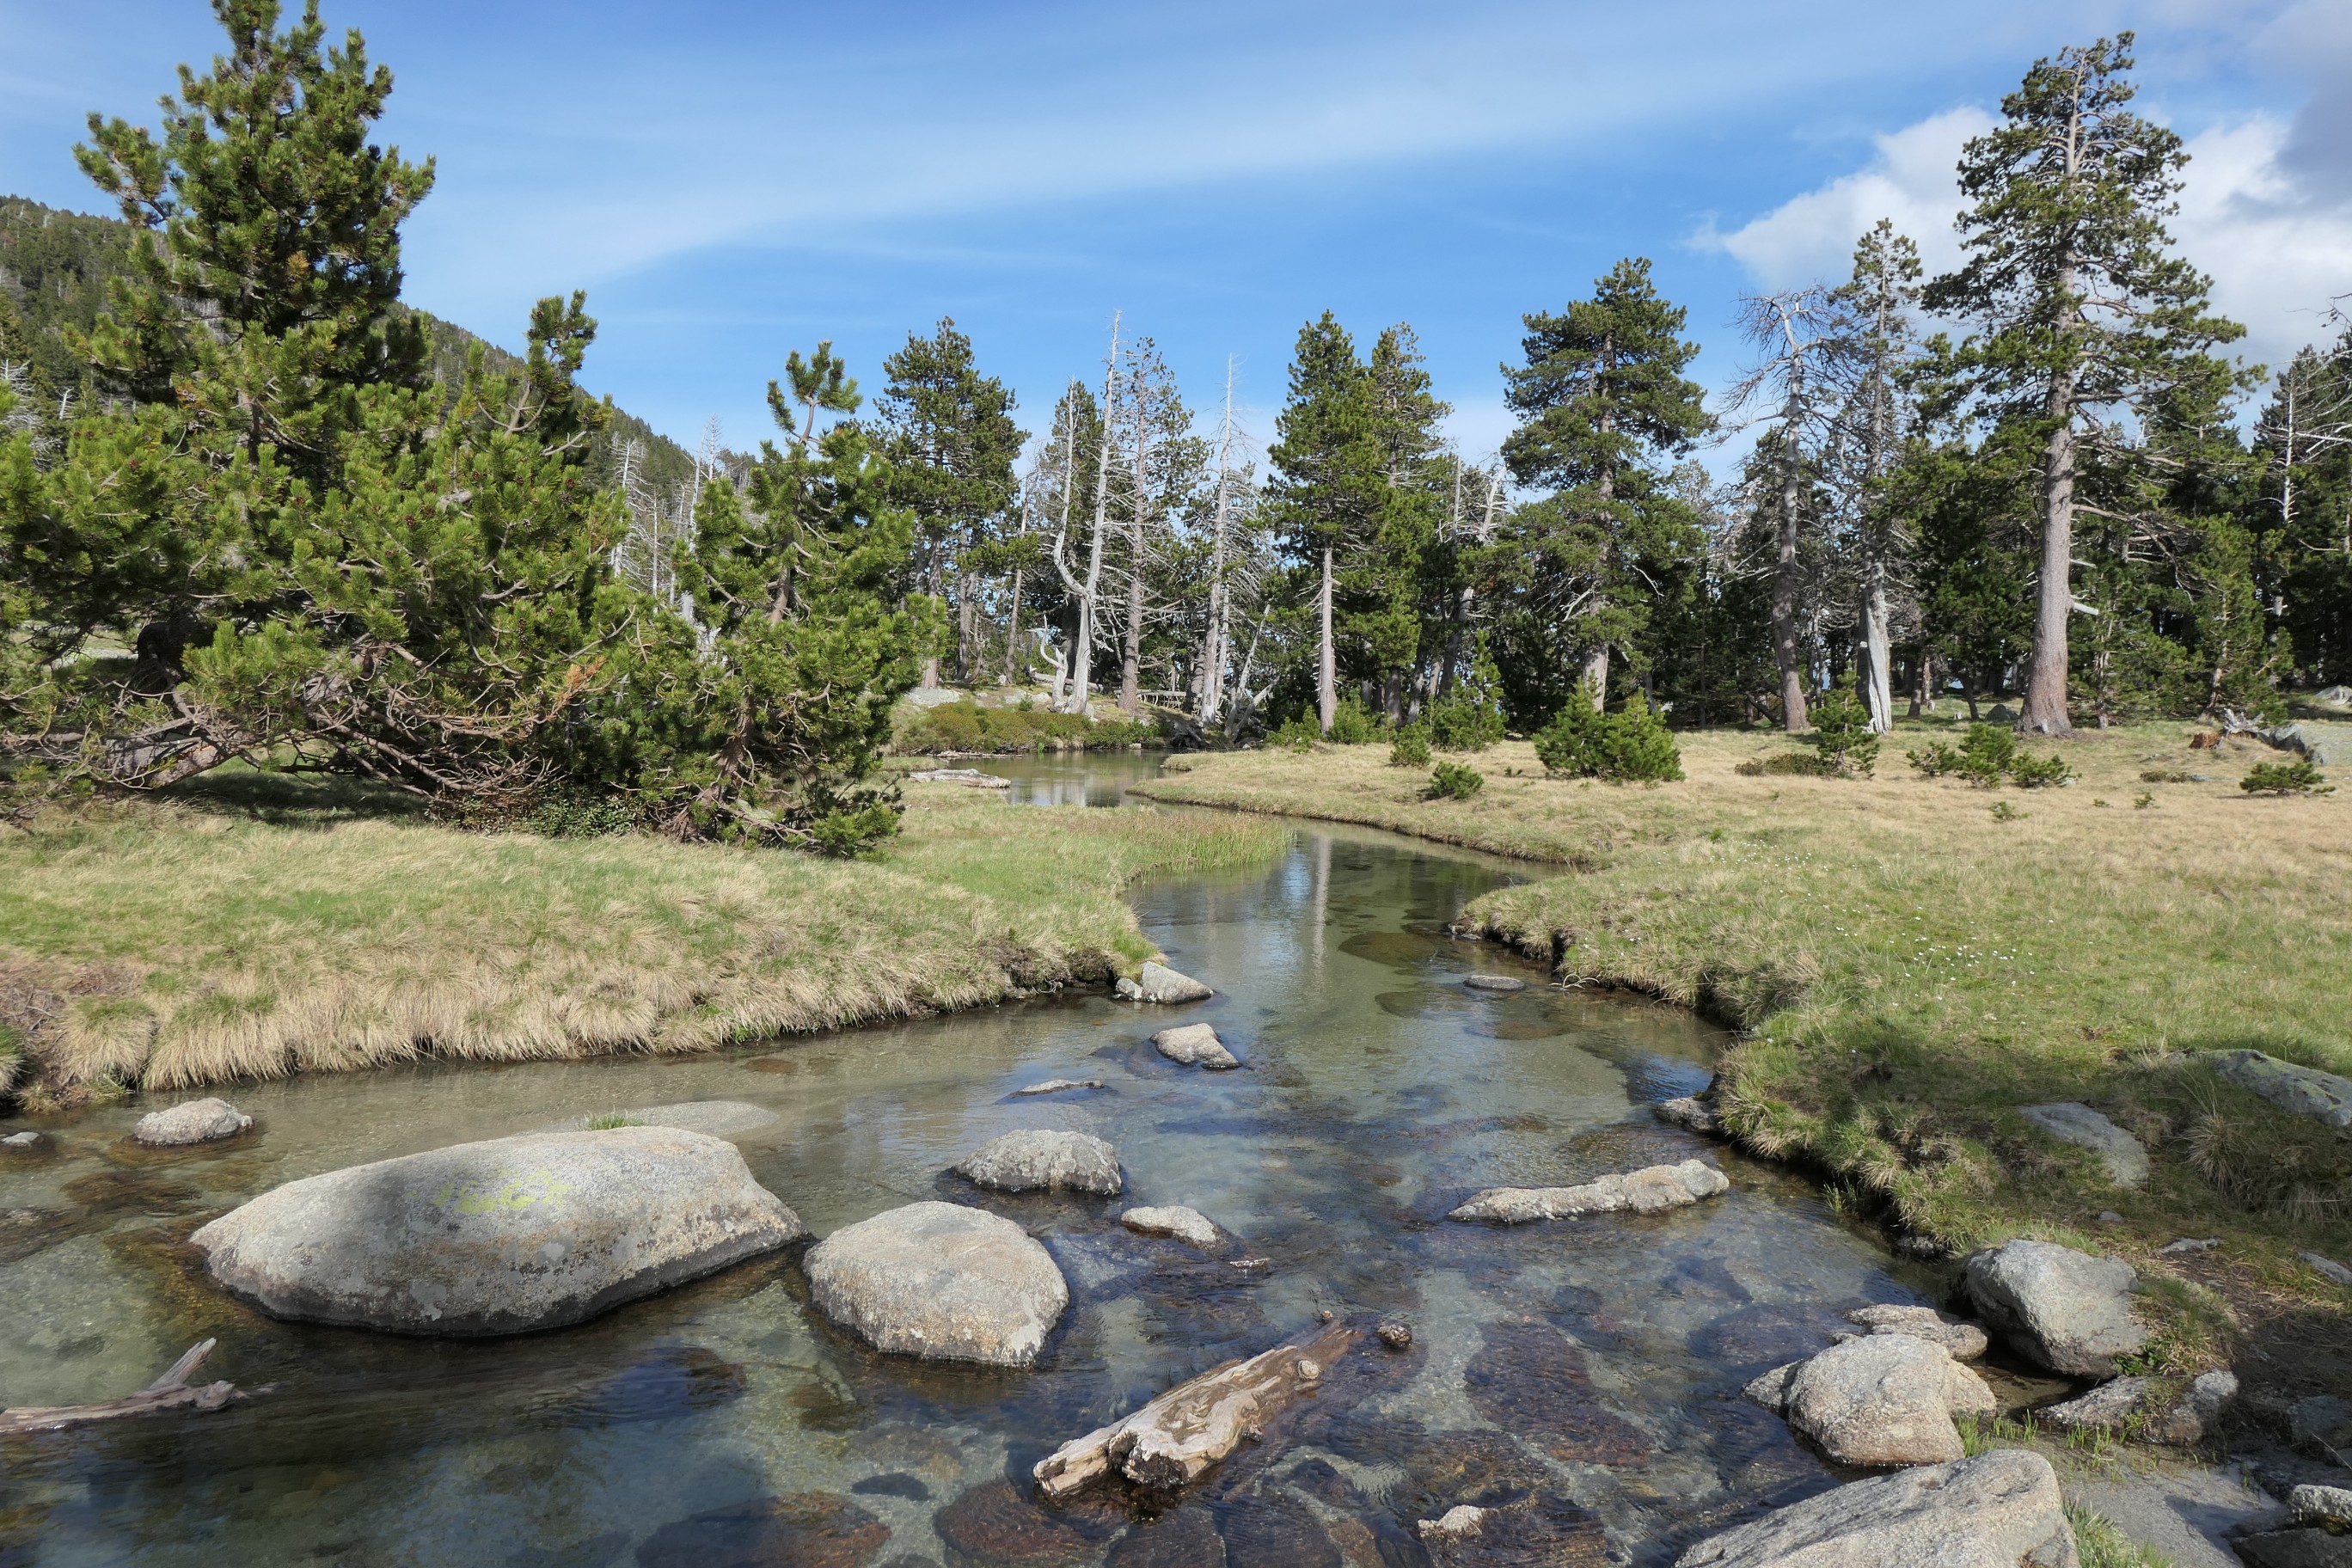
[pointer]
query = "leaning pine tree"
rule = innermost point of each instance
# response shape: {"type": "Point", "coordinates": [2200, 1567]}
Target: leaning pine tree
{"type": "Point", "coordinates": [2079, 309]}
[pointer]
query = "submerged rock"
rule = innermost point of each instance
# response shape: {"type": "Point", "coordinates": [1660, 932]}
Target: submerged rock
{"type": "Point", "coordinates": [1544, 1530]}
{"type": "Point", "coordinates": [941, 1281]}
{"type": "Point", "coordinates": [1960, 1341]}
{"type": "Point", "coordinates": [2306, 1091]}
{"type": "Point", "coordinates": [1158, 982]}
{"type": "Point", "coordinates": [1650, 1190]}
{"type": "Point", "coordinates": [2071, 1122]}
{"type": "Point", "coordinates": [815, 1529]}
{"type": "Point", "coordinates": [2000, 1509]}
{"type": "Point", "coordinates": [2067, 1310]}
{"type": "Point", "coordinates": [1187, 1225]}
{"type": "Point", "coordinates": [29, 1139]}
{"type": "Point", "coordinates": [1056, 1084]}
{"type": "Point", "coordinates": [499, 1238]}
{"type": "Point", "coordinates": [1039, 1157]}
{"type": "Point", "coordinates": [196, 1121]}
{"type": "Point", "coordinates": [1877, 1399]}
{"type": "Point", "coordinates": [1194, 1045]}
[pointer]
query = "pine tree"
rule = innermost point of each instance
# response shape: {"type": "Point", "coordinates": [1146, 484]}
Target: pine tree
{"type": "Point", "coordinates": [1330, 478]}
{"type": "Point", "coordinates": [1876, 419]}
{"type": "Point", "coordinates": [2078, 308]}
{"type": "Point", "coordinates": [2303, 509]}
{"type": "Point", "coordinates": [1603, 400]}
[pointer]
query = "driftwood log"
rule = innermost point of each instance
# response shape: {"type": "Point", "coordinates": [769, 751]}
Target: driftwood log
{"type": "Point", "coordinates": [172, 1391]}
{"type": "Point", "coordinates": [1168, 1443]}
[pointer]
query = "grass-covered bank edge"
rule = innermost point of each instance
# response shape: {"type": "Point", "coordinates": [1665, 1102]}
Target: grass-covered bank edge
{"type": "Point", "coordinates": [262, 927]}
{"type": "Point", "coordinates": [1908, 968]}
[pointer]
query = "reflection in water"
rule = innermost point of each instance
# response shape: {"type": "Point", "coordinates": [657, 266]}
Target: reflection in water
{"type": "Point", "coordinates": [1586, 1373]}
{"type": "Point", "coordinates": [1074, 778]}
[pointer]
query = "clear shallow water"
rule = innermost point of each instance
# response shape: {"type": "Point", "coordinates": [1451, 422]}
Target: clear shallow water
{"type": "Point", "coordinates": [1597, 1363]}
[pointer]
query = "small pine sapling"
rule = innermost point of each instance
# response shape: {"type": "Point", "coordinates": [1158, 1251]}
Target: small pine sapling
{"type": "Point", "coordinates": [1454, 781]}
{"type": "Point", "coordinates": [1412, 748]}
{"type": "Point", "coordinates": [1985, 755]}
{"type": "Point", "coordinates": [1632, 745]}
{"type": "Point", "coordinates": [2301, 777]}
{"type": "Point", "coordinates": [1841, 732]}
{"type": "Point", "coordinates": [2040, 772]}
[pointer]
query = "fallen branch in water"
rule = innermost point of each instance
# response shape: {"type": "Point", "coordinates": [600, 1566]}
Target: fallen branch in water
{"type": "Point", "coordinates": [1169, 1442]}
{"type": "Point", "coordinates": [169, 1392]}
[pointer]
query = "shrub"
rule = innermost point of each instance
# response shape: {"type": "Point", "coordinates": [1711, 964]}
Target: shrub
{"type": "Point", "coordinates": [1841, 732]}
{"type": "Point", "coordinates": [1631, 745]}
{"type": "Point", "coordinates": [1296, 734]}
{"type": "Point", "coordinates": [1987, 753]}
{"type": "Point", "coordinates": [2040, 772]}
{"type": "Point", "coordinates": [1803, 764]}
{"type": "Point", "coordinates": [577, 814]}
{"type": "Point", "coordinates": [2167, 775]}
{"type": "Point", "coordinates": [1464, 724]}
{"type": "Point", "coordinates": [1454, 781]}
{"type": "Point", "coordinates": [1934, 759]}
{"type": "Point", "coordinates": [1412, 748]}
{"type": "Point", "coordinates": [1351, 725]}
{"type": "Point", "coordinates": [2298, 777]}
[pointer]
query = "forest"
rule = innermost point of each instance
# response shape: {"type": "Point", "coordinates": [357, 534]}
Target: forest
{"type": "Point", "coordinates": [254, 509]}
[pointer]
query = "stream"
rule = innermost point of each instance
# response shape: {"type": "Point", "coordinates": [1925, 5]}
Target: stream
{"type": "Point", "coordinates": [1596, 1364]}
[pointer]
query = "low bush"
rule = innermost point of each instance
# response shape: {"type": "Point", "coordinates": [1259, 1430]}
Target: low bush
{"type": "Point", "coordinates": [1454, 781]}
{"type": "Point", "coordinates": [2298, 777]}
{"type": "Point", "coordinates": [1463, 724]}
{"type": "Point", "coordinates": [1842, 733]}
{"type": "Point", "coordinates": [1632, 745]}
{"type": "Point", "coordinates": [1989, 756]}
{"type": "Point", "coordinates": [1353, 725]}
{"type": "Point", "coordinates": [1412, 748]}
{"type": "Point", "coordinates": [1803, 765]}
{"type": "Point", "coordinates": [2040, 772]}
{"type": "Point", "coordinates": [966, 726]}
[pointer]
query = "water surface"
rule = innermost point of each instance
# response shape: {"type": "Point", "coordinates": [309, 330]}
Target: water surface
{"type": "Point", "coordinates": [1594, 1365]}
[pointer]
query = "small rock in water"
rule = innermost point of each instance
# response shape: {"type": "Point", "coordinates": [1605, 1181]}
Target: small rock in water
{"type": "Point", "coordinates": [1459, 1522]}
{"type": "Point", "coordinates": [1187, 1225]}
{"type": "Point", "coordinates": [1650, 1190]}
{"type": "Point", "coordinates": [25, 1139]}
{"type": "Point", "coordinates": [1043, 1157]}
{"type": "Point", "coordinates": [1396, 1336]}
{"type": "Point", "coordinates": [1056, 1084]}
{"type": "Point", "coordinates": [1999, 1507]}
{"type": "Point", "coordinates": [2328, 1268]}
{"type": "Point", "coordinates": [2067, 1310]}
{"type": "Point", "coordinates": [941, 1281]}
{"type": "Point", "coordinates": [196, 1121]}
{"type": "Point", "coordinates": [1250, 1263]}
{"type": "Point", "coordinates": [1960, 1341]}
{"type": "Point", "coordinates": [2189, 1244]}
{"type": "Point", "coordinates": [1194, 1045]}
{"type": "Point", "coordinates": [1692, 1112]}
{"type": "Point", "coordinates": [2071, 1122]}
{"type": "Point", "coordinates": [1503, 985]}
{"type": "Point", "coordinates": [1158, 982]}
{"type": "Point", "coordinates": [813, 1528]}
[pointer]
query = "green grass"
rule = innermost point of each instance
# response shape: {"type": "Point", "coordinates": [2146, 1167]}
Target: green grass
{"type": "Point", "coordinates": [1907, 971]}
{"type": "Point", "coordinates": [259, 927]}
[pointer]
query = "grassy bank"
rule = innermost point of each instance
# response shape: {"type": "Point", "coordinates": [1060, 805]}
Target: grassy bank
{"type": "Point", "coordinates": [1911, 960]}
{"type": "Point", "coordinates": [261, 928]}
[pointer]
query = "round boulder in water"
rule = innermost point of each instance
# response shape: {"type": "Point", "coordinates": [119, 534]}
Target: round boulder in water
{"type": "Point", "coordinates": [1045, 1158]}
{"type": "Point", "coordinates": [1502, 984]}
{"type": "Point", "coordinates": [195, 1121]}
{"type": "Point", "coordinates": [941, 1281]}
{"type": "Point", "coordinates": [499, 1238]}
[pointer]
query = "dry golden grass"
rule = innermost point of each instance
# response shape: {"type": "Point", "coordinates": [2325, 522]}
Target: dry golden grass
{"type": "Point", "coordinates": [167, 946]}
{"type": "Point", "coordinates": [1910, 968]}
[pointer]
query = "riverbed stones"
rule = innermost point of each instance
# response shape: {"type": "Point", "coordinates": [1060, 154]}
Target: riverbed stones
{"type": "Point", "coordinates": [2071, 1122]}
{"type": "Point", "coordinates": [2162, 1409]}
{"type": "Point", "coordinates": [2306, 1091]}
{"type": "Point", "coordinates": [1187, 1225]}
{"type": "Point", "coordinates": [1692, 1112]}
{"type": "Point", "coordinates": [814, 1530]}
{"type": "Point", "coordinates": [941, 1281]}
{"type": "Point", "coordinates": [1047, 1159]}
{"type": "Point", "coordinates": [504, 1237]}
{"type": "Point", "coordinates": [1878, 1400]}
{"type": "Point", "coordinates": [195, 1121]}
{"type": "Point", "coordinates": [1058, 1086]}
{"type": "Point", "coordinates": [1194, 1046]}
{"type": "Point", "coordinates": [1652, 1190]}
{"type": "Point", "coordinates": [1158, 982]}
{"type": "Point", "coordinates": [1499, 984]}
{"type": "Point", "coordinates": [2000, 1509]}
{"type": "Point", "coordinates": [2067, 1310]}
{"type": "Point", "coordinates": [1959, 1340]}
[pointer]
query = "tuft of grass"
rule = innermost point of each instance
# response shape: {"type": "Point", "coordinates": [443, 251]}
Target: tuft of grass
{"type": "Point", "coordinates": [2102, 1545]}
{"type": "Point", "coordinates": [164, 945]}
{"type": "Point", "coordinates": [1905, 972]}
{"type": "Point", "coordinates": [609, 1121]}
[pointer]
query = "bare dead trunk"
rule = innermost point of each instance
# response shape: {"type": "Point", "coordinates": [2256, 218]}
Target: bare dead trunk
{"type": "Point", "coordinates": [1131, 651]}
{"type": "Point", "coordinates": [1212, 642]}
{"type": "Point", "coordinates": [1793, 715]}
{"type": "Point", "coordinates": [172, 1391]}
{"type": "Point", "coordinates": [1012, 638]}
{"type": "Point", "coordinates": [1596, 675]}
{"type": "Point", "coordinates": [1877, 675]}
{"type": "Point", "coordinates": [1326, 670]}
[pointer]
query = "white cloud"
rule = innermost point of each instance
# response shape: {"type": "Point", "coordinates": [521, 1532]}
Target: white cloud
{"type": "Point", "coordinates": [2277, 250]}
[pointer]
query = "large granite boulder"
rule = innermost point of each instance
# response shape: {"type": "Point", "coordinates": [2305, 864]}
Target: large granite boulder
{"type": "Point", "coordinates": [1650, 1190]}
{"type": "Point", "coordinates": [499, 1238]}
{"type": "Point", "coordinates": [941, 1281]}
{"type": "Point", "coordinates": [1045, 1158]}
{"type": "Point", "coordinates": [2306, 1091]}
{"type": "Point", "coordinates": [1999, 1509]}
{"type": "Point", "coordinates": [1194, 1046]}
{"type": "Point", "coordinates": [2071, 1122]}
{"type": "Point", "coordinates": [195, 1121]}
{"type": "Point", "coordinates": [2067, 1310]}
{"type": "Point", "coordinates": [1881, 1399]}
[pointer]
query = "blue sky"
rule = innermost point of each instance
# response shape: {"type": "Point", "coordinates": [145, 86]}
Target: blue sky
{"type": "Point", "coordinates": [732, 181]}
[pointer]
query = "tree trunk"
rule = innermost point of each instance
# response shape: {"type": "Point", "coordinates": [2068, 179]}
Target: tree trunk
{"type": "Point", "coordinates": [1132, 653]}
{"type": "Point", "coordinates": [2043, 712]}
{"type": "Point", "coordinates": [1794, 716]}
{"type": "Point", "coordinates": [1012, 638]}
{"type": "Point", "coordinates": [1596, 675]}
{"type": "Point", "coordinates": [1082, 652]}
{"type": "Point", "coordinates": [1877, 675]}
{"type": "Point", "coordinates": [1327, 669]}
{"type": "Point", "coordinates": [1212, 642]}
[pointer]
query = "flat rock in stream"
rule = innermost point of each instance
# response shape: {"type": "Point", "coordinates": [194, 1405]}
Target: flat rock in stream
{"type": "Point", "coordinates": [498, 1237]}
{"type": "Point", "coordinates": [1043, 1158]}
{"type": "Point", "coordinates": [2067, 1310]}
{"type": "Point", "coordinates": [1650, 1190]}
{"type": "Point", "coordinates": [195, 1121]}
{"type": "Point", "coordinates": [2000, 1509]}
{"type": "Point", "coordinates": [1500, 984]}
{"type": "Point", "coordinates": [1194, 1046]}
{"type": "Point", "coordinates": [1056, 1086]}
{"type": "Point", "coordinates": [1878, 1400]}
{"type": "Point", "coordinates": [941, 1281]}
{"type": "Point", "coordinates": [2071, 1122]}
{"type": "Point", "coordinates": [1186, 1225]}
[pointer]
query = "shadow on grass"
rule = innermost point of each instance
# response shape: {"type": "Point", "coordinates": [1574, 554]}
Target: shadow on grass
{"type": "Point", "coordinates": [292, 800]}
